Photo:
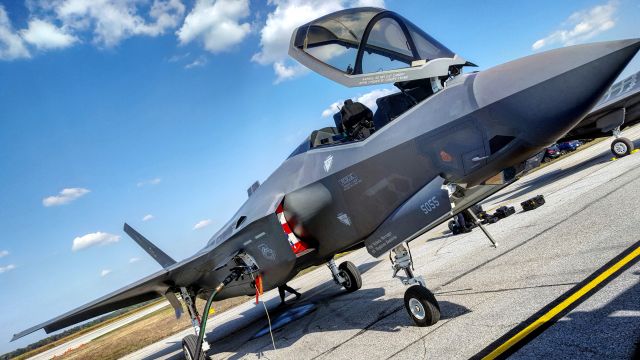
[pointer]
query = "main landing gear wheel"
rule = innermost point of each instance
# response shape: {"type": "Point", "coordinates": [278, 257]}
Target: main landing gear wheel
{"type": "Point", "coordinates": [189, 346]}
{"type": "Point", "coordinates": [421, 305]}
{"type": "Point", "coordinates": [351, 274]}
{"type": "Point", "coordinates": [621, 147]}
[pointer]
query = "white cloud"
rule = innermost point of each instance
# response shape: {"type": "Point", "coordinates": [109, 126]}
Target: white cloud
{"type": "Point", "coordinates": [111, 21]}
{"type": "Point", "coordinates": [218, 24]}
{"type": "Point", "coordinates": [200, 61]}
{"type": "Point", "coordinates": [94, 239]}
{"type": "Point", "coordinates": [11, 44]}
{"type": "Point", "coordinates": [179, 57]}
{"type": "Point", "coordinates": [148, 217]}
{"type": "Point", "coordinates": [45, 35]}
{"type": "Point", "coordinates": [65, 196]}
{"type": "Point", "coordinates": [374, 3]}
{"type": "Point", "coordinates": [202, 224]}
{"type": "Point", "coordinates": [368, 99]}
{"type": "Point", "coordinates": [9, 267]}
{"type": "Point", "coordinates": [134, 260]}
{"type": "Point", "coordinates": [287, 72]}
{"type": "Point", "coordinates": [289, 14]}
{"type": "Point", "coordinates": [154, 181]}
{"type": "Point", "coordinates": [581, 26]}
{"type": "Point", "coordinates": [105, 272]}
{"type": "Point", "coordinates": [332, 109]}
{"type": "Point", "coordinates": [3, 253]}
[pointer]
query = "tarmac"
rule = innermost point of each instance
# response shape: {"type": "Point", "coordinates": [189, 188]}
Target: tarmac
{"type": "Point", "coordinates": [486, 294]}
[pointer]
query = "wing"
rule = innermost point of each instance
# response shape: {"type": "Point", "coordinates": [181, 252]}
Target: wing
{"type": "Point", "coordinates": [173, 275]}
{"type": "Point", "coordinates": [151, 287]}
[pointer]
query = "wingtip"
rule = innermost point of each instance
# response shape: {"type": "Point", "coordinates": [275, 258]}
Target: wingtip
{"type": "Point", "coordinates": [17, 336]}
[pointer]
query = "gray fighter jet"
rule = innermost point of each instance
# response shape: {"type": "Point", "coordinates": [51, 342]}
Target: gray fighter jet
{"type": "Point", "coordinates": [445, 141]}
{"type": "Point", "coordinates": [619, 108]}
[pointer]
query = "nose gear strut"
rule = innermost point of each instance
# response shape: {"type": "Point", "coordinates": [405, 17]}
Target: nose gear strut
{"type": "Point", "coordinates": [420, 303]}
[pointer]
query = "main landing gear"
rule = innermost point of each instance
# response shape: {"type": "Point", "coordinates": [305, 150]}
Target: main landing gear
{"type": "Point", "coordinates": [346, 275]}
{"type": "Point", "coordinates": [190, 342]}
{"type": "Point", "coordinates": [621, 146]}
{"type": "Point", "coordinates": [189, 348]}
{"type": "Point", "coordinates": [195, 347]}
{"type": "Point", "coordinates": [420, 303]}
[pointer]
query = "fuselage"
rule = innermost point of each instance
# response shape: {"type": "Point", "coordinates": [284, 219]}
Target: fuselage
{"type": "Point", "coordinates": [480, 124]}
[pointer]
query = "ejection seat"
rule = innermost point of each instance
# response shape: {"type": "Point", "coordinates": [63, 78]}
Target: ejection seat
{"type": "Point", "coordinates": [394, 105]}
{"type": "Point", "coordinates": [355, 120]}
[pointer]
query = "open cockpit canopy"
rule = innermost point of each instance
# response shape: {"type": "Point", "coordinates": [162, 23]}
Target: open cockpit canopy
{"type": "Point", "coordinates": [367, 46]}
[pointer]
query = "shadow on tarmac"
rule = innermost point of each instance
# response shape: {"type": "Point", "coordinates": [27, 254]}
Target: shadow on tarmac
{"type": "Point", "coordinates": [336, 310]}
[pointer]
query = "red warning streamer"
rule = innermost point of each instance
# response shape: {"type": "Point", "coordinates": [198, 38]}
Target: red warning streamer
{"type": "Point", "coordinates": [259, 288]}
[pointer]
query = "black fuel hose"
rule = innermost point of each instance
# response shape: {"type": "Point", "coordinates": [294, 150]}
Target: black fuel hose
{"type": "Point", "coordinates": [207, 307]}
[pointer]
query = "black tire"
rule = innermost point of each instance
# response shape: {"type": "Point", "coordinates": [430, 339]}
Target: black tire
{"type": "Point", "coordinates": [452, 225]}
{"type": "Point", "coordinates": [352, 274]}
{"type": "Point", "coordinates": [189, 346]}
{"type": "Point", "coordinates": [421, 305]}
{"type": "Point", "coordinates": [621, 147]}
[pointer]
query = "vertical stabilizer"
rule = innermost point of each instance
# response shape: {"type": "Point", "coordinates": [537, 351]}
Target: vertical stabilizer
{"type": "Point", "coordinates": [158, 255]}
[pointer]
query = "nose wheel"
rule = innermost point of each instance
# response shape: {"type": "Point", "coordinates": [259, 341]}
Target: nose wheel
{"type": "Point", "coordinates": [421, 305]}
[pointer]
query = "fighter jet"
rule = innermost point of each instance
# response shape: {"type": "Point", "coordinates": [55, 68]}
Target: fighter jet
{"type": "Point", "coordinates": [445, 141]}
{"type": "Point", "coordinates": [619, 108]}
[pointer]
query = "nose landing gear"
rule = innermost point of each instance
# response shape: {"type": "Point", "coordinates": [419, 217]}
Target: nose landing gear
{"type": "Point", "coordinates": [420, 303]}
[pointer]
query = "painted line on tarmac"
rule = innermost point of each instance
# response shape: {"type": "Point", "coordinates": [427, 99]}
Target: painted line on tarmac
{"type": "Point", "coordinates": [550, 314]}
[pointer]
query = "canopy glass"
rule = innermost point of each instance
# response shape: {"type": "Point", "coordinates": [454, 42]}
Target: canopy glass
{"type": "Point", "coordinates": [367, 40]}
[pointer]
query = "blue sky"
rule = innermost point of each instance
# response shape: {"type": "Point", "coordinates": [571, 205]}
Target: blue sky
{"type": "Point", "coordinates": [162, 113]}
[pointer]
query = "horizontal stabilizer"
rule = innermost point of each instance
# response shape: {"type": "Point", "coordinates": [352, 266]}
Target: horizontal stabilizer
{"type": "Point", "coordinates": [158, 255]}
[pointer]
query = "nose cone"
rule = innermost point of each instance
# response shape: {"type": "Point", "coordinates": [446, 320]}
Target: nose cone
{"type": "Point", "coordinates": [545, 95]}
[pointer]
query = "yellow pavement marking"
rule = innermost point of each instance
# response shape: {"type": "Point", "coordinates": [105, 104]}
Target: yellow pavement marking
{"type": "Point", "coordinates": [563, 305]}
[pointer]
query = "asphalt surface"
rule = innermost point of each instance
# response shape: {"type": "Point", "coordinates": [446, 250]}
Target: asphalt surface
{"type": "Point", "coordinates": [590, 217]}
{"type": "Point", "coordinates": [85, 338]}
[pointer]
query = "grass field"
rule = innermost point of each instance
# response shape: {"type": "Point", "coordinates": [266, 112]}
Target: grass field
{"type": "Point", "coordinates": [82, 332]}
{"type": "Point", "coordinates": [140, 333]}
